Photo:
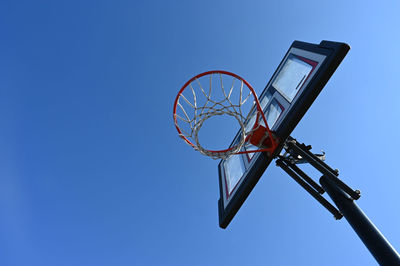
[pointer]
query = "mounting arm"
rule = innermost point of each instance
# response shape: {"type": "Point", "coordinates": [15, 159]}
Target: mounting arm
{"type": "Point", "coordinates": [342, 195]}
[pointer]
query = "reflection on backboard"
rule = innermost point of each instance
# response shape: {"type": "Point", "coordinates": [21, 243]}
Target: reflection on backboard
{"type": "Point", "coordinates": [292, 76]}
{"type": "Point", "coordinates": [235, 164]}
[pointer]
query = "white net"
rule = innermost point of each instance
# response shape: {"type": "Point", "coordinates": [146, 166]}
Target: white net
{"type": "Point", "coordinates": [206, 96]}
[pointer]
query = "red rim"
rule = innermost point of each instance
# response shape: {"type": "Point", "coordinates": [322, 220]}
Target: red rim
{"type": "Point", "coordinates": [258, 106]}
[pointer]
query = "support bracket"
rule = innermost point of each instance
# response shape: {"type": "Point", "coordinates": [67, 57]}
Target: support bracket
{"type": "Point", "coordinates": [299, 153]}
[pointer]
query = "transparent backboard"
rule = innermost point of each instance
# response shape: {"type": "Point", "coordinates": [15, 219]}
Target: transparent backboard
{"type": "Point", "coordinates": [294, 86]}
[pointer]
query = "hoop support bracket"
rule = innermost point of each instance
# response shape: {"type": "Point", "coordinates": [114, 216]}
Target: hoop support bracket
{"type": "Point", "coordinates": [296, 153]}
{"type": "Point", "coordinates": [294, 148]}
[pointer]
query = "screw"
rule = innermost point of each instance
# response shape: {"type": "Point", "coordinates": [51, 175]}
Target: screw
{"type": "Point", "coordinates": [337, 171]}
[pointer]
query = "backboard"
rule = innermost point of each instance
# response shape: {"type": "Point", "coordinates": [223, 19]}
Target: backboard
{"type": "Point", "coordinates": [299, 78]}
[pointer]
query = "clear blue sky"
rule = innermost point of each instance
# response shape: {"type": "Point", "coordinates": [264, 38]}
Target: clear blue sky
{"type": "Point", "coordinates": [92, 171]}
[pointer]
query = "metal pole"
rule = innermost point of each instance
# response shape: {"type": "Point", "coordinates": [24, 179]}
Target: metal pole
{"type": "Point", "coordinates": [376, 243]}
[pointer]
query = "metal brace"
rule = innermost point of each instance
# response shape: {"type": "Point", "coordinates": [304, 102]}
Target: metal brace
{"type": "Point", "coordinates": [296, 153]}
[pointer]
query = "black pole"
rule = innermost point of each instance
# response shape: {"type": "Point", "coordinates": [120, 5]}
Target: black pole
{"type": "Point", "coordinates": [376, 243]}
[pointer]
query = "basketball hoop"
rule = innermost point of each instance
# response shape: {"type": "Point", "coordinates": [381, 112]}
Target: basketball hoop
{"type": "Point", "coordinates": [254, 129]}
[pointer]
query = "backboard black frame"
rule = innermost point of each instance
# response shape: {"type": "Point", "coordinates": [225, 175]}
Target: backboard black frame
{"type": "Point", "coordinates": [333, 53]}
